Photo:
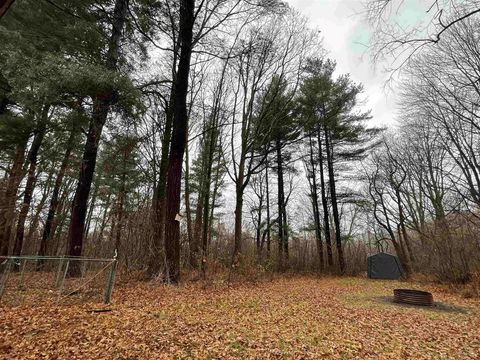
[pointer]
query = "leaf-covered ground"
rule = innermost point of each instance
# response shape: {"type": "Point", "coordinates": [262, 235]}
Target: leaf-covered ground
{"type": "Point", "coordinates": [298, 317]}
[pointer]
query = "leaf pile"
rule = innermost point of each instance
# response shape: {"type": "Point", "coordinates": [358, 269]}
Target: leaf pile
{"type": "Point", "coordinates": [299, 317]}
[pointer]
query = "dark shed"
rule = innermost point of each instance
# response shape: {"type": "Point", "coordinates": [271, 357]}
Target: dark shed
{"type": "Point", "coordinates": [384, 266]}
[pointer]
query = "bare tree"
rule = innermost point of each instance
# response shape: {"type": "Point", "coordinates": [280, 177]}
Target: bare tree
{"type": "Point", "coordinates": [399, 40]}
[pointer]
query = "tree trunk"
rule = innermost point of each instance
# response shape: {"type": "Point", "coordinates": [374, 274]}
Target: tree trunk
{"type": "Point", "coordinates": [7, 208]}
{"type": "Point", "coordinates": [160, 195]}
{"type": "Point", "coordinates": [36, 217]}
{"type": "Point", "coordinates": [80, 200]}
{"type": "Point", "coordinates": [316, 209]}
{"type": "Point", "coordinates": [211, 146]}
{"type": "Point", "coordinates": [267, 189]}
{"type": "Point", "coordinates": [333, 195]}
{"type": "Point", "coordinates": [197, 231]}
{"type": "Point", "coordinates": [188, 209]}
{"type": "Point", "coordinates": [282, 240]}
{"type": "Point", "coordinates": [106, 214]}
{"type": "Point", "coordinates": [121, 201]}
{"type": "Point", "coordinates": [258, 229]}
{"type": "Point", "coordinates": [30, 185]}
{"type": "Point", "coordinates": [326, 220]}
{"type": "Point", "coordinates": [101, 108]}
{"type": "Point", "coordinates": [403, 228]}
{"type": "Point", "coordinates": [5, 90]}
{"type": "Point", "coordinates": [179, 139]}
{"type": "Point", "coordinates": [54, 201]}
{"type": "Point", "coordinates": [216, 187]}
{"type": "Point", "coordinates": [237, 246]}
{"type": "Point", "coordinates": [61, 216]}
{"type": "Point", "coordinates": [91, 208]}
{"type": "Point", "coordinates": [4, 5]}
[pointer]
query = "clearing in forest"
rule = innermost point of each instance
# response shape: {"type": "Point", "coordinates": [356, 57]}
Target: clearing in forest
{"type": "Point", "coordinates": [297, 317]}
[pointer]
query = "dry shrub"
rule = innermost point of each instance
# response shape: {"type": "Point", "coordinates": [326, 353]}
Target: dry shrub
{"type": "Point", "coordinates": [450, 251]}
{"type": "Point", "coordinates": [355, 253]}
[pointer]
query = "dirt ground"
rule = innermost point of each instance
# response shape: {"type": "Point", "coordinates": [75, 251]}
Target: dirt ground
{"type": "Point", "coordinates": [291, 317]}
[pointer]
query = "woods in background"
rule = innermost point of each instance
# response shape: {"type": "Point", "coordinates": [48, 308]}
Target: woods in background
{"type": "Point", "coordinates": [217, 134]}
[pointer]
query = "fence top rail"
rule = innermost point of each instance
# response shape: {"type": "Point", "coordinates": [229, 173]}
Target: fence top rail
{"type": "Point", "coordinates": [69, 258]}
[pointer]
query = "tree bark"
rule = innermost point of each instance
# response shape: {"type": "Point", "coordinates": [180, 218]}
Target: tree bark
{"type": "Point", "coordinates": [31, 180]}
{"type": "Point", "coordinates": [282, 233]}
{"type": "Point", "coordinates": [216, 187]}
{"type": "Point", "coordinates": [91, 208]}
{"type": "Point", "coordinates": [326, 220]}
{"type": "Point", "coordinates": [54, 201]}
{"type": "Point", "coordinates": [159, 198]}
{"type": "Point", "coordinates": [211, 147]}
{"type": "Point", "coordinates": [7, 207]}
{"type": "Point", "coordinates": [188, 209]}
{"type": "Point", "coordinates": [101, 108]}
{"type": "Point", "coordinates": [160, 193]}
{"type": "Point", "coordinates": [179, 138]}
{"type": "Point", "coordinates": [36, 217]}
{"type": "Point", "coordinates": [333, 196]}
{"type": "Point", "coordinates": [237, 246]}
{"type": "Point", "coordinates": [316, 209]}
{"type": "Point", "coordinates": [267, 189]}
{"type": "Point", "coordinates": [121, 201]}
{"type": "Point", "coordinates": [403, 228]}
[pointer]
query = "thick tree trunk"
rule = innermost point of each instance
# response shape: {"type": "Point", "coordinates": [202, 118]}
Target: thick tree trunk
{"type": "Point", "coordinates": [80, 200]}
{"type": "Point", "coordinates": [179, 139]}
{"type": "Point", "coordinates": [333, 196]}
{"type": "Point", "coordinates": [101, 108]}
{"type": "Point", "coordinates": [9, 197]}
{"type": "Point", "coordinates": [160, 193]}
{"type": "Point", "coordinates": [326, 220]}
{"type": "Point", "coordinates": [316, 210]}
{"type": "Point", "coordinates": [30, 185]}
{"type": "Point", "coordinates": [159, 199]}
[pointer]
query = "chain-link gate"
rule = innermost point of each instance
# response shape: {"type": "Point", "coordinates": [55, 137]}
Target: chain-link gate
{"type": "Point", "coordinates": [51, 278]}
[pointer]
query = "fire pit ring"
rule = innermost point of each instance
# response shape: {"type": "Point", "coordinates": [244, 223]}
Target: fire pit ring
{"type": "Point", "coordinates": [412, 297]}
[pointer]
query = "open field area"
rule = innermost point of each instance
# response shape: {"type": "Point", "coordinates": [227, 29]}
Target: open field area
{"type": "Point", "coordinates": [298, 317]}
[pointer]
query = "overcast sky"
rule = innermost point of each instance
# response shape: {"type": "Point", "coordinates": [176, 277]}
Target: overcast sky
{"type": "Point", "coordinates": [344, 30]}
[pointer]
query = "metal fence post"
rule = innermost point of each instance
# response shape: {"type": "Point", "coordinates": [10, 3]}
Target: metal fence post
{"type": "Point", "coordinates": [62, 280]}
{"type": "Point", "coordinates": [110, 282]}
{"type": "Point", "coordinates": [3, 280]}
{"type": "Point", "coordinates": [59, 272]}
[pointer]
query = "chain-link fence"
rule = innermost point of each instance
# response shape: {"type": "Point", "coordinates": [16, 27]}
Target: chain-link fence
{"type": "Point", "coordinates": [33, 279]}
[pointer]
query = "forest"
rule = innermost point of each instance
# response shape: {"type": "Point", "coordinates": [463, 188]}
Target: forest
{"type": "Point", "coordinates": [198, 140]}
{"type": "Point", "coordinates": [224, 136]}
